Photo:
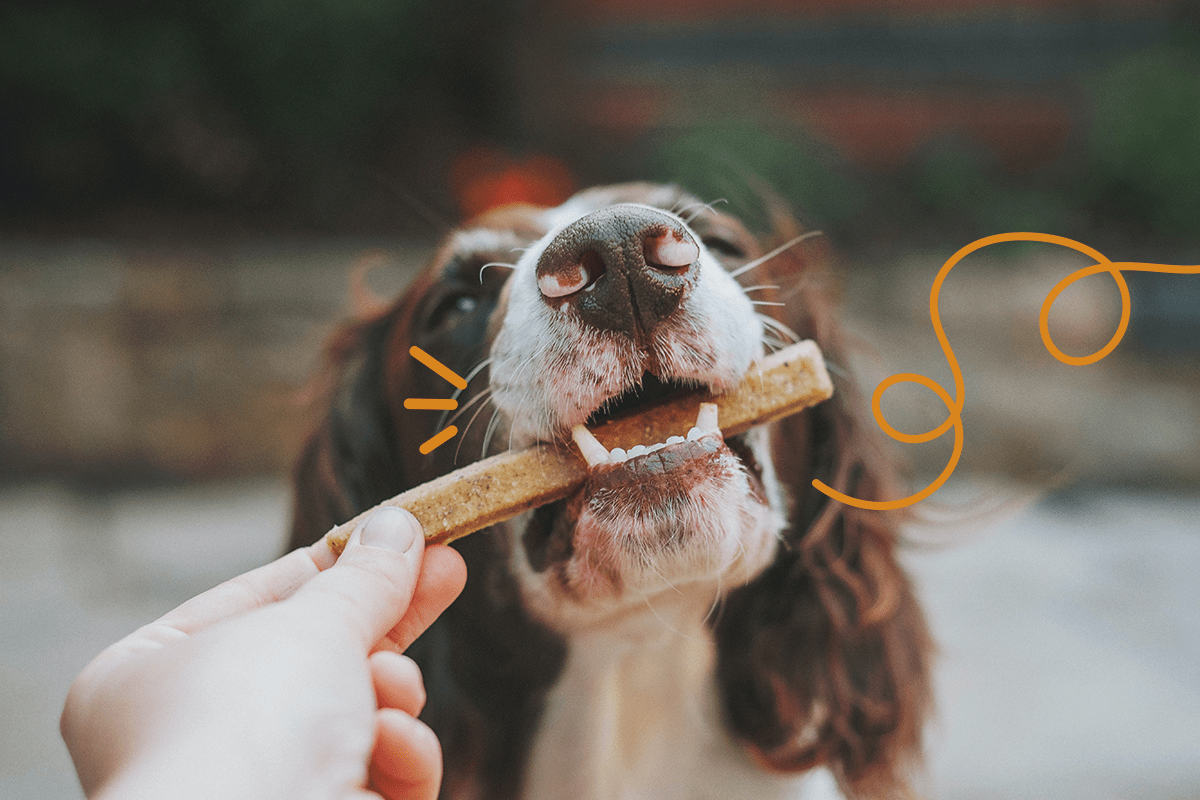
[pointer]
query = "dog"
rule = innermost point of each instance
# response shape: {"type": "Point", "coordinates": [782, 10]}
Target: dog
{"type": "Point", "coordinates": [701, 626]}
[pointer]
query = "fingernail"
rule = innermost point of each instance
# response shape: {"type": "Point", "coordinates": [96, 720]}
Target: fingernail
{"type": "Point", "coordinates": [390, 528]}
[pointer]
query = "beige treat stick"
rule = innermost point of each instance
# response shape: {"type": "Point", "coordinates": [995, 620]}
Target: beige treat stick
{"type": "Point", "coordinates": [504, 485]}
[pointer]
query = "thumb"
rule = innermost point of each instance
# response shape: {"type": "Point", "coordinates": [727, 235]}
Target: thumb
{"type": "Point", "coordinates": [369, 588]}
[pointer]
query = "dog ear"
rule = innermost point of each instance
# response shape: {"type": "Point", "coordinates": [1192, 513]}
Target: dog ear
{"type": "Point", "coordinates": [822, 660]}
{"type": "Point", "coordinates": [351, 461]}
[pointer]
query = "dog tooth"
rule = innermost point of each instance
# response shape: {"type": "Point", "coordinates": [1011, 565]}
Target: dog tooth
{"type": "Point", "coordinates": [617, 455]}
{"type": "Point", "coordinates": [637, 450]}
{"type": "Point", "coordinates": [694, 434]}
{"type": "Point", "coordinates": [593, 452]}
{"type": "Point", "coordinates": [706, 418]}
{"type": "Point", "coordinates": [675, 439]}
{"type": "Point", "coordinates": [655, 447]}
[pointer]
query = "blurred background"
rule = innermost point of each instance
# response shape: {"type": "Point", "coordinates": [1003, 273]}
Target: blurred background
{"type": "Point", "coordinates": [186, 189]}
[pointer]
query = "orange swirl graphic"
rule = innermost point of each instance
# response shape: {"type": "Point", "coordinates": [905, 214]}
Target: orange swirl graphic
{"type": "Point", "coordinates": [954, 406]}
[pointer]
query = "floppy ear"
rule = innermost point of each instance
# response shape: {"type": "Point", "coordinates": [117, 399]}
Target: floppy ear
{"type": "Point", "coordinates": [351, 461]}
{"type": "Point", "coordinates": [822, 660]}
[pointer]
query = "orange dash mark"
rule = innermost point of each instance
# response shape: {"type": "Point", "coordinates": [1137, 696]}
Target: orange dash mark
{"type": "Point", "coordinates": [441, 438]}
{"type": "Point", "coordinates": [437, 366]}
{"type": "Point", "coordinates": [423, 403]}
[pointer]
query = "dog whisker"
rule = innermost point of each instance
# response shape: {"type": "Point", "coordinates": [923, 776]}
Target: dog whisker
{"type": "Point", "coordinates": [514, 382]}
{"type": "Point", "coordinates": [779, 328]}
{"type": "Point", "coordinates": [495, 264]}
{"type": "Point", "coordinates": [767, 303]}
{"type": "Point", "coordinates": [718, 605]}
{"type": "Point", "coordinates": [471, 421]}
{"type": "Point", "coordinates": [837, 370]}
{"type": "Point", "coordinates": [475, 370]}
{"type": "Point", "coordinates": [699, 207]}
{"type": "Point", "coordinates": [454, 396]}
{"type": "Point", "coordinates": [778, 250]}
{"type": "Point", "coordinates": [493, 423]}
{"type": "Point", "coordinates": [647, 562]}
{"type": "Point", "coordinates": [667, 624]}
{"type": "Point", "coordinates": [682, 207]}
{"type": "Point", "coordinates": [716, 597]}
{"type": "Point", "coordinates": [773, 344]}
{"type": "Point", "coordinates": [760, 286]}
{"type": "Point", "coordinates": [483, 395]}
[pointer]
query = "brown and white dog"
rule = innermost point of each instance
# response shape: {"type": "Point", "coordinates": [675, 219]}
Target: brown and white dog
{"type": "Point", "coordinates": [700, 625]}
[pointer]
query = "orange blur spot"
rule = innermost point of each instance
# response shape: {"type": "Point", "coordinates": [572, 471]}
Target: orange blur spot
{"type": "Point", "coordinates": [485, 177]}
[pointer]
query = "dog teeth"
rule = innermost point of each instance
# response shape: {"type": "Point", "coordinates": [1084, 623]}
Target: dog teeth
{"type": "Point", "coordinates": [706, 418]}
{"type": "Point", "coordinates": [593, 452]}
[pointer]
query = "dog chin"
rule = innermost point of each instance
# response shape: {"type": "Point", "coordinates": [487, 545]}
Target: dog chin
{"type": "Point", "coordinates": [690, 521]}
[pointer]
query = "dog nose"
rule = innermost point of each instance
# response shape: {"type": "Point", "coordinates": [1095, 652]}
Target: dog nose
{"type": "Point", "coordinates": [624, 268]}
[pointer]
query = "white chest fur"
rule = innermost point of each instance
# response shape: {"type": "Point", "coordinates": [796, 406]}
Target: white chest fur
{"type": "Point", "coordinates": [635, 717]}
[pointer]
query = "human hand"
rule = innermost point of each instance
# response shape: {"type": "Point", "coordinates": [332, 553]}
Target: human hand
{"type": "Point", "coordinates": [287, 681]}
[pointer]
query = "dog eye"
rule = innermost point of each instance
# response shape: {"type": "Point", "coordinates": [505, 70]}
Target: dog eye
{"type": "Point", "coordinates": [723, 247]}
{"type": "Point", "coordinates": [451, 309]}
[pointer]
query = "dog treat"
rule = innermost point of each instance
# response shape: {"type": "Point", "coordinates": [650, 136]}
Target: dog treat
{"type": "Point", "coordinates": [504, 485]}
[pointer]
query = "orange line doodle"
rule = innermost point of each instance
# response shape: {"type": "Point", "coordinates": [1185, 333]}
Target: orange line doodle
{"type": "Point", "coordinates": [954, 406]}
{"type": "Point", "coordinates": [437, 366]}
{"type": "Point", "coordinates": [440, 438]}
{"type": "Point", "coordinates": [426, 403]}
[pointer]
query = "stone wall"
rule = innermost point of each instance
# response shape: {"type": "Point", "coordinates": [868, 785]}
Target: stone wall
{"type": "Point", "coordinates": [1132, 417]}
{"type": "Point", "coordinates": [120, 361]}
{"type": "Point", "coordinates": [188, 362]}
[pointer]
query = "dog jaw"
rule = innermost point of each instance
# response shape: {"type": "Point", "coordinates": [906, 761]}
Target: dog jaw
{"type": "Point", "coordinates": [622, 541]}
{"type": "Point", "coordinates": [698, 518]}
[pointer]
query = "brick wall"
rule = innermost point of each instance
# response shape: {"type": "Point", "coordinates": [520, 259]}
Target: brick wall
{"type": "Point", "coordinates": [877, 79]}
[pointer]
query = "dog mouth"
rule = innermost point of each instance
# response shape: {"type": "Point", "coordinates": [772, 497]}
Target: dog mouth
{"type": "Point", "coordinates": [650, 389]}
{"type": "Point", "coordinates": [674, 504]}
{"type": "Point", "coordinates": [702, 439]}
{"type": "Point", "coordinates": [677, 462]}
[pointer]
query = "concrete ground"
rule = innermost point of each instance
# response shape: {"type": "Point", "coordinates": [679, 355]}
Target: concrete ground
{"type": "Point", "coordinates": [1070, 631]}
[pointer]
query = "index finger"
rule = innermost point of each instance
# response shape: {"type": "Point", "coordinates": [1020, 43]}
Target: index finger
{"type": "Point", "coordinates": [259, 587]}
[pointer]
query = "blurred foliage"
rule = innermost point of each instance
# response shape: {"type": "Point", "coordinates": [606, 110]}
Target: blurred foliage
{"type": "Point", "coordinates": [189, 99]}
{"type": "Point", "coordinates": [1133, 165]}
{"type": "Point", "coordinates": [258, 102]}
{"type": "Point", "coordinates": [1143, 144]}
{"type": "Point", "coordinates": [740, 161]}
{"type": "Point", "coordinates": [317, 68]}
{"type": "Point", "coordinates": [956, 181]}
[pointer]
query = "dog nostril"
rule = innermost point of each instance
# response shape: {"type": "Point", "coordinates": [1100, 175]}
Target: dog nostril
{"type": "Point", "coordinates": [564, 282]}
{"type": "Point", "coordinates": [570, 278]}
{"type": "Point", "coordinates": [667, 250]}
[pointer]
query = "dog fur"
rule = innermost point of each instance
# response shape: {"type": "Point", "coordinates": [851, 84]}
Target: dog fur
{"type": "Point", "coordinates": [719, 631]}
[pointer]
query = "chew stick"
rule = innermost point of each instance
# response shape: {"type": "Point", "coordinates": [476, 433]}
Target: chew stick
{"type": "Point", "coordinates": [504, 485]}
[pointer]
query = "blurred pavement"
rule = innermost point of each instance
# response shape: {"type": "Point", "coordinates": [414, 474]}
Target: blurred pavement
{"type": "Point", "coordinates": [1070, 632]}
